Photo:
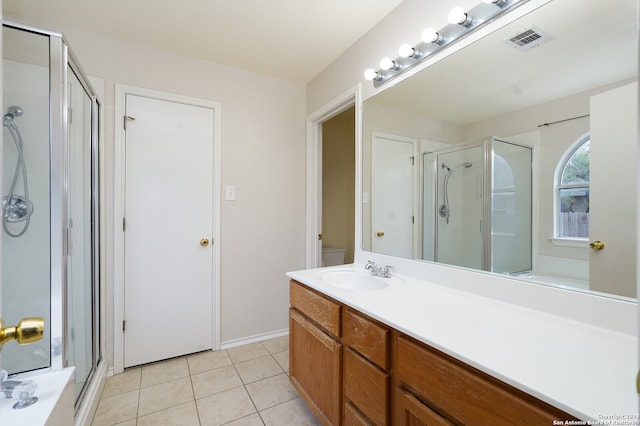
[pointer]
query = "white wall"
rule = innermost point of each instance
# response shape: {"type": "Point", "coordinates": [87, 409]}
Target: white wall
{"type": "Point", "coordinates": [263, 155]}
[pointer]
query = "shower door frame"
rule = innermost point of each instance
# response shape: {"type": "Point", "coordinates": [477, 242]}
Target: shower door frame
{"type": "Point", "coordinates": [60, 58]}
{"type": "Point", "coordinates": [96, 311]}
{"type": "Point", "coordinates": [487, 226]}
{"type": "Point", "coordinates": [436, 183]}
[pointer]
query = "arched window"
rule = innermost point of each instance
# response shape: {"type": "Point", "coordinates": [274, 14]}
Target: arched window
{"type": "Point", "coordinates": [572, 191]}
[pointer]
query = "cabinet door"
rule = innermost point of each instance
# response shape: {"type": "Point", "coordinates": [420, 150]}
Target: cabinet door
{"type": "Point", "coordinates": [411, 412]}
{"type": "Point", "coordinates": [315, 367]}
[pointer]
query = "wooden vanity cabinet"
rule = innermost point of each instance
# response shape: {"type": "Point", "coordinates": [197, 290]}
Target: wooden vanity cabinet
{"type": "Point", "coordinates": [354, 370]}
{"type": "Point", "coordinates": [315, 352]}
{"type": "Point", "coordinates": [366, 364]}
{"type": "Point", "coordinates": [434, 388]}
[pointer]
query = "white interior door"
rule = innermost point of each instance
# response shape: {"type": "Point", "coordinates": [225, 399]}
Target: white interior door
{"type": "Point", "coordinates": [392, 195]}
{"type": "Point", "coordinates": [168, 269]}
{"type": "Point", "coordinates": [614, 118]}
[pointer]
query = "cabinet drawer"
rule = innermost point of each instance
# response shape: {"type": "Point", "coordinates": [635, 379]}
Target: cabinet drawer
{"type": "Point", "coordinates": [366, 337]}
{"type": "Point", "coordinates": [366, 386]}
{"type": "Point", "coordinates": [465, 394]}
{"type": "Point", "coordinates": [412, 412]}
{"type": "Point", "coordinates": [352, 417]}
{"type": "Point", "coordinates": [322, 310]}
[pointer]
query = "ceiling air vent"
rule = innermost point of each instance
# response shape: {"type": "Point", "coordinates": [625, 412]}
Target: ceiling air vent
{"type": "Point", "coordinates": [529, 38]}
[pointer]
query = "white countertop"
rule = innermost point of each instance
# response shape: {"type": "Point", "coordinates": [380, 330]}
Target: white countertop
{"type": "Point", "coordinates": [583, 369]}
{"type": "Point", "coordinates": [51, 386]}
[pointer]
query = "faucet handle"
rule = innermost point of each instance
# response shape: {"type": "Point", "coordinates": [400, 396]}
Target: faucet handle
{"type": "Point", "coordinates": [370, 264]}
{"type": "Point", "coordinates": [387, 271]}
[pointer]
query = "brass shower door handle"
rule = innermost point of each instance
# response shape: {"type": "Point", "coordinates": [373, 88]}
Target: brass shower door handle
{"type": "Point", "coordinates": [596, 245]}
{"type": "Point", "coordinates": [28, 330]}
{"type": "Point", "coordinates": [204, 242]}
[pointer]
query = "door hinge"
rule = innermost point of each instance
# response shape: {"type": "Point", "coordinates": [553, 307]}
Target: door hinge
{"type": "Point", "coordinates": [124, 323]}
{"type": "Point", "coordinates": [125, 119]}
{"type": "Point", "coordinates": [124, 224]}
{"type": "Point", "coordinates": [413, 160]}
{"type": "Point", "coordinates": [413, 219]}
{"type": "Point", "coordinates": [319, 237]}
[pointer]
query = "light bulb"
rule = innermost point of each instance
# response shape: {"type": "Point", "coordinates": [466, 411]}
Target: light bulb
{"type": "Point", "coordinates": [406, 51]}
{"type": "Point", "coordinates": [457, 15]}
{"type": "Point", "coordinates": [387, 64]}
{"type": "Point", "coordinates": [371, 74]}
{"type": "Point", "coordinates": [429, 35]}
{"type": "Point", "coordinates": [499, 3]}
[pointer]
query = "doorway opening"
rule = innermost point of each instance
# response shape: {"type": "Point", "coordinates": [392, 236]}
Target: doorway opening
{"type": "Point", "coordinates": [341, 118]}
{"type": "Point", "coordinates": [338, 188]}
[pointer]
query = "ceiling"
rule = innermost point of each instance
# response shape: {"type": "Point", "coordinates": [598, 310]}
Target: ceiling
{"type": "Point", "coordinates": [289, 39]}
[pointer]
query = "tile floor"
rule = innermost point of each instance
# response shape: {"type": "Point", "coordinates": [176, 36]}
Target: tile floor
{"type": "Point", "coordinates": [246, 385]}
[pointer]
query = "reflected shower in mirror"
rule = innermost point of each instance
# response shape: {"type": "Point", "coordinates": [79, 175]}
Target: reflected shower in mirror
{"type": "Point", "coordinates": [493, 127]}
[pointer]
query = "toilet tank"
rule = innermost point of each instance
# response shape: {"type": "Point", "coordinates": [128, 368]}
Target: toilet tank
{"type": "Point", "coordinates": [332, 256]}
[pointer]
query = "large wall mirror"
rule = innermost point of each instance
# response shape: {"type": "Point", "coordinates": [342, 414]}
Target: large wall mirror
{"type": "Point", "coordinates": [516, 154]}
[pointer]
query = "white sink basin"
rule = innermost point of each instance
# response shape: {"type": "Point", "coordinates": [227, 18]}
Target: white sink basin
{"type": "Point", "coordinates": [352, 279]}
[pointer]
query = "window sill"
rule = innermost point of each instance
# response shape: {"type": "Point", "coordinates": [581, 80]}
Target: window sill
{"type": "Point", "coordinates": [570, 242]}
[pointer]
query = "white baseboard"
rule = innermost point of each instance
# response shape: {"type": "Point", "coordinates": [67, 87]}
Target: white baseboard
{"type": "Point", "coordinates": [89, 403]}
{"type": "Point", "coordinates": [253, 339]}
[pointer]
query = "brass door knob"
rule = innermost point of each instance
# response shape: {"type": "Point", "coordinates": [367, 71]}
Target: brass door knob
{"type": "Point", "coordinates": [379, 233]}
{"type": "Point", "coordinates": [204, 242]}
{"type": "Point", "coordinates": [28, 330]}
{"type": "Point", "coordinates": [596, 245]}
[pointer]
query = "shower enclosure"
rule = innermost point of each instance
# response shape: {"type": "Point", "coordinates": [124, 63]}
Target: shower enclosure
{"type": "Point", "coordinates": [50, 205]}
{"type": "Point", "coordinates": [477, 206]}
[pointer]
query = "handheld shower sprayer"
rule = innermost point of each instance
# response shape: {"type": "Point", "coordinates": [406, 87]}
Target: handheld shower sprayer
{"type": "Point", "coordinates": [15, 207]}
{"type": "Point", "coordinates": [12, 113]}
{"type": "Point", "coordinates": [444, 210]}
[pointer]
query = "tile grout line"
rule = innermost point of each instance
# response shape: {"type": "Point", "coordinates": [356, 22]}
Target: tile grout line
{"type": "Point", "coordinates": [193, 391]}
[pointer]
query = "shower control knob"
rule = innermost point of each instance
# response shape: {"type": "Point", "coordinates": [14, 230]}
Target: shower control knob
{"type": "Point", "coordinates": [204, 242]}
{"type": "Point", "coordinates": [596, 245]}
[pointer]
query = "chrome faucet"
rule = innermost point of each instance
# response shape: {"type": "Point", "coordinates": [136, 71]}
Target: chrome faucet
{"type": "Point", "coordinates": [7, 386]}
{"type": "Point", "coordinates": [377, 271]}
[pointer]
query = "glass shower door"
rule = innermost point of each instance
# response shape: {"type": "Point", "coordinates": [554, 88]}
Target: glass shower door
{"type": "Point", "coordinates": [460, 205]}
{"type": "Point", "coordinates": [511, 207]}
{"type": "Point", "coordinates": [26, 239]}
{"type": "Point", "coordinates": [82, 327]}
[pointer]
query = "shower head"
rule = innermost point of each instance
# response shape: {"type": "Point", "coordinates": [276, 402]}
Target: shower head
{"type": "Point", "coordinates": [12, 112]}
{"type": "Point", "coordinates": [456, 168]}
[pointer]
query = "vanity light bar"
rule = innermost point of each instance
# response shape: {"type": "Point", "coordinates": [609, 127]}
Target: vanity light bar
{"type": "Point", "coordinates": [461, 24]}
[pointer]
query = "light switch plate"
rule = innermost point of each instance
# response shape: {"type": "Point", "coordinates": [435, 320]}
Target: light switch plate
{"type": "Point", "coordinates": [230, 192]}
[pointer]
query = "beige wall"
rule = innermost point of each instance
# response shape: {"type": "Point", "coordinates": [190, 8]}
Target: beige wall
{"type": "Point", "coordinates": [338, 182]}
{"type": "Point", "coordinates": [403, 25]}
{"type": "Point", "coordinates": [263, 155]}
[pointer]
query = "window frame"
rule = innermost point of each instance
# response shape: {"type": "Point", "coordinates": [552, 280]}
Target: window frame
{"type": "Point", "coordinates": [558, 186]}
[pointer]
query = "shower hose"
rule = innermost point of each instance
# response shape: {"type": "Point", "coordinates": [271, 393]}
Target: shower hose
{"type": "Point", "coordinates": [9, 204]}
